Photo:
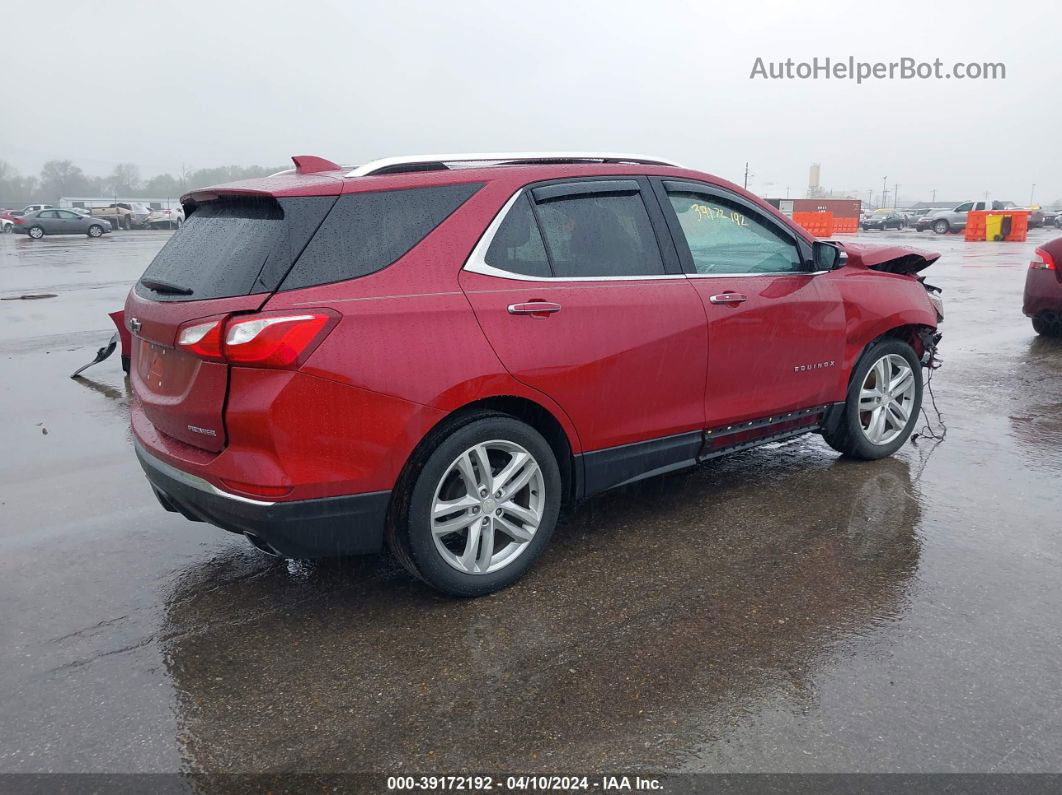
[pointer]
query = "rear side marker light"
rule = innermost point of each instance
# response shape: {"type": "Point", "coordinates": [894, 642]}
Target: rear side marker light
{"type": "Point", "coordinates": [257, 489]}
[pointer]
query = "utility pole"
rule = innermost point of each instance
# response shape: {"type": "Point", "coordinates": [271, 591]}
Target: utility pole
{"type": "Point", "coordinates": [870, 197]}
{"type": "Point", "coordinates": [933, 195]}
{"type": "Point", "coordinates": [1032, 193]}
{"type": "Point", "coordinates": [787, 191]}
{"type": "Point", "coordinates": [746, 184]}
{"type": "Point", "coordinates": [895, 194]}
{"type": "Point", "coordinates": [884, 192]}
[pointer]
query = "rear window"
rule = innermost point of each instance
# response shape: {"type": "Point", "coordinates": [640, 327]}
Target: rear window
{"type": "Point", "coordinates": [234, 247]}
{"type": "Point", "coordinates": [366, 232]}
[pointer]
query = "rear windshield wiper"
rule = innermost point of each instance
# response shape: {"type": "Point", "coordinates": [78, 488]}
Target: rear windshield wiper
{"type": "Point", "coordinates": [164, 287]}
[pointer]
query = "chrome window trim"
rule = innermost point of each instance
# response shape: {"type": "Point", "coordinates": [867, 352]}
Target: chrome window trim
{"type": "Point", "coordinates": [473, 157]}
{"type": "Point", "coordinates": [762, 273]}
{"type": "Point", "coordinates": [476, 262]}
{"type": "Point", "coordinates": [196, 482]}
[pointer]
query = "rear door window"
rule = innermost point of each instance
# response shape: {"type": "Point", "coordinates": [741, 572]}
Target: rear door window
{"type": "Point", "coordinates": [599, 234]}
{"type": "Point", "coordinates": [366, 232]}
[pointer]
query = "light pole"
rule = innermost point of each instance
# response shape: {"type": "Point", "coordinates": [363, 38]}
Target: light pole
{"type": "Point", "coordinates": [884, 192]}
{"type": "Point", "coordinates": [895, 193]}
{"type": "Point", "coordinates": [1031, 194]}
{"type": "Point", "coordinates": [746, 185]}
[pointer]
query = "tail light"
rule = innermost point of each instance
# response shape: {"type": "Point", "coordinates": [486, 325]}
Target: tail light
{"type": "Point", "coordinates": [202, 339]}
{"type": "Point", "coordinates": [18, 220]}
{"type": "Point", "coordinates": [1042, 261]}
{"type": "Point", "coordinates": [260, 340]}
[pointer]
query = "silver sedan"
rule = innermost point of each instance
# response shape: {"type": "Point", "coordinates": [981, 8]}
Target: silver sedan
{"type": "Point", "coordinates": [60, 222]}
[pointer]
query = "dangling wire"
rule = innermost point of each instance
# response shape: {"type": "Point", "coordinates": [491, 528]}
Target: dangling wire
{"type": "Point", "coordinates": [928, 430]}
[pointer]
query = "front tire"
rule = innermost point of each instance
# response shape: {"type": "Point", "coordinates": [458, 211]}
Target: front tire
{"type": "Point", "coordinates": [36, 232]}
{"type": "Point", "coordinates": [882, 405]}
{"type": "Point", "coordinates": [95, 230]}
{"type": "Point", "coordinates": [483, 506]}
{"type": "Point", "coordinates": [941, 227]}
{"type": "Point", "coordinates": [1048, 324]}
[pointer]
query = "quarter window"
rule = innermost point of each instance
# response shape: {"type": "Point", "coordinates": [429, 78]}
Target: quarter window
{"type": "Point", "coordinates": [723, 237]}
{"type": "Point", "coordinates": [365, 232]}
{"type": "Point", "coordinates": [600, 235]}
{"type": "Point", "coordinates": [517, 246]}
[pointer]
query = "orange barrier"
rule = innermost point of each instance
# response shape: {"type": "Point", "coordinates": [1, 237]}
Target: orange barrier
{"type": "Point", "coordinates": [987, 225]}
{"type": "Point", "coordinates": [844, 226]}
{"type": "Point", "coordinates": [818, 224]}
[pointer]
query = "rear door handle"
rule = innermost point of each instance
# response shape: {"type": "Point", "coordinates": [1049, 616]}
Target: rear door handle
{"type": "Point", "coordinates": [534, 308]}
{"type": "Point", "coordinates": [728, 298]}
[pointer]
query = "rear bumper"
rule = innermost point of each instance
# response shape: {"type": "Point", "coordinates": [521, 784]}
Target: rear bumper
{"type": "Point", "coordinates": [326, 527]}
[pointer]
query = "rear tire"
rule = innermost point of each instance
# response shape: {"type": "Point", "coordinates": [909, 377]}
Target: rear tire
{"type": "Point", "coordinates": [517, 525]}
{"type": "Point", "coordinates": [856, 435]}
{"type": "Point", "coordinates": [36, 232]}
{"type": "Point", "coordinates": [1048, 324]}
{"type": "Point", "coordinates": [941, 227]}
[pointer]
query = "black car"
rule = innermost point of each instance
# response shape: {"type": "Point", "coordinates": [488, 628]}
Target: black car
{"type": "Point", "coordinates": [883, 220]}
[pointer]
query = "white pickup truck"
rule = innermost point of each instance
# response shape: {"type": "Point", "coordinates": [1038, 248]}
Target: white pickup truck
{"type": "Point", "coordinates": [954, 220]}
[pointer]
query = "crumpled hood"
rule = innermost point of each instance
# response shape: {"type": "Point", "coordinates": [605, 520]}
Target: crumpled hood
{"type": "Point", "coordinates": [888, 258]}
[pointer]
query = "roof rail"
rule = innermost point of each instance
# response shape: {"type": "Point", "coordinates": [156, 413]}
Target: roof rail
{"type": "Point", "coordinates": [398, 165]}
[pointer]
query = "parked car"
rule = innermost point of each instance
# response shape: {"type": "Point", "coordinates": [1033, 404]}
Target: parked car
{"type": "Point", "coordinates": [1036, 216]}
{"type": "Point", "coordinates": [914, 215]}
{"type": "Point", "coordinates": [509, 336]}
{"type": "Point", "coordinates": [7, 221]}
{"type": "Point", "coordinates": [925, 220]}
{"type": "Point", "coordinates": [1043, 289]}
{"type": "Point", "coordinates": [884, 219]}
{"type": "Point", "coordinates": [1058, 221]}
{"type": "Point", "coordinates": [124, 215]}
{"type": "Point", "coordinates": [167, 218]}
{"type": "Point", "coordinates": [32, 208]}
{"type": "Point", "coordinates": [1050, 216]}
{"type": "Point", "coordinates": [39, 223]}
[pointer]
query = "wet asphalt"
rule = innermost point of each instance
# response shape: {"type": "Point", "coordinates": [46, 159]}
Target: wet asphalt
{"type": "Point", "coordinates": [779, 610]}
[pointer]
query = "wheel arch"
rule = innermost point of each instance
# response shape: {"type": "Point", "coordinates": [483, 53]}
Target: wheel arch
{"type": "Point", "coordinates": [522, 408]}
{"type": "Point", "coordinates": [911, 332]}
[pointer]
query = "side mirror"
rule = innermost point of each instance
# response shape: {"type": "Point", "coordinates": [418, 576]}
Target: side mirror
{"type": "Point", "coordinates": [828, 256]}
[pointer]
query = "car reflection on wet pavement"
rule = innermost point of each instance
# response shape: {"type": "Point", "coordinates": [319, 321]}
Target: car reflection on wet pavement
{"type": "Point", "coordinates": [778, 610]}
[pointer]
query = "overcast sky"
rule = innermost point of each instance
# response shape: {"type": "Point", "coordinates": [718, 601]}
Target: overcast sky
{"type": "Point", "coordinates": [215, 83]}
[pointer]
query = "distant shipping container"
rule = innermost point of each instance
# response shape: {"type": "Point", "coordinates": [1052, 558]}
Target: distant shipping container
{"type": "Point", "coordinates": [841, 208]}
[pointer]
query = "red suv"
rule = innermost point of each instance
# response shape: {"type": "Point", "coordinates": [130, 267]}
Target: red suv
{"type": "Point", "coordinates": [437, 353]}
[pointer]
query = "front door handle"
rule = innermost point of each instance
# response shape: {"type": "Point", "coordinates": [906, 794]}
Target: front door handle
{"type": "Point", "coordinates": [534, 308]}
{"type": "Point", "coordinates": [728, 298]}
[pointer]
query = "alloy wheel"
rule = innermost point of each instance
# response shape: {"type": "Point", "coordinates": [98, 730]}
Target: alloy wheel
{"type": "Point", "coordinates": [886, 398]}
{"type": "Point", "coordinates": [487, 507]}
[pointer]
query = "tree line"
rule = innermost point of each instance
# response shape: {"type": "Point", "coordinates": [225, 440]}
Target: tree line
{"type": "Point", "coordinates": [65, 178]}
